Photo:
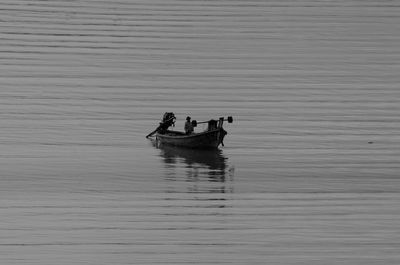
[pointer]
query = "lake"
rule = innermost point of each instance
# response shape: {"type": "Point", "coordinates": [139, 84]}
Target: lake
{"type": "Point", "coordinates": [309, 173]}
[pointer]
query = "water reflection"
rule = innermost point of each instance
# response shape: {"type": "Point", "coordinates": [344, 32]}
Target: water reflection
{"type": "Point", "coordinates": [207, 170]}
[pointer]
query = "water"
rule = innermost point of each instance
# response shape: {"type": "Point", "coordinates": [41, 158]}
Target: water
{"type": "Point", "coordinates": [310, 169]}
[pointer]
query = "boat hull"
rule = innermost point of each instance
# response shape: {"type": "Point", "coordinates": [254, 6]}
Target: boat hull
{"type": "Point", "coordinates": [203, 140]}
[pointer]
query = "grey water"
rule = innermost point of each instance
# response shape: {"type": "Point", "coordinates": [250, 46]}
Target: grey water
{"type": "Point", "coordinates": [309, 173]}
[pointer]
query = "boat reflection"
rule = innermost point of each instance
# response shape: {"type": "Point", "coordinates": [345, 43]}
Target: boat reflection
{"type": "Point", "coordinates": [198, 166]}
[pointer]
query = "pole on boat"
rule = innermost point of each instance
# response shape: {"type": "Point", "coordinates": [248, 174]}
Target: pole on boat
{"type": "Point", "coordinates": [194, 122]}
{"type": "Point", "coordinates": [153, 132]}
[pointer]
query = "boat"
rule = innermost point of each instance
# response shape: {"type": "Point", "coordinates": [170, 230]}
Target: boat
{"type": "Point", "coordinates": [212, 137]}
{"type": "Point", "coordinates": [207, 139]}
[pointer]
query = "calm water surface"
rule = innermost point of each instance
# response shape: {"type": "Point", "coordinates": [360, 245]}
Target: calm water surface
{"type": "Point", "coordinates": [310, 169]}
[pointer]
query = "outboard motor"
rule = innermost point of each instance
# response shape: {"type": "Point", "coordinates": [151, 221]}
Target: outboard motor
{"type": "Point", "coordinates": [167, 121]}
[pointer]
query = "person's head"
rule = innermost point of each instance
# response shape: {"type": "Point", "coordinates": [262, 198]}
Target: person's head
{"type": "Point", "coordinates": [188, 118]}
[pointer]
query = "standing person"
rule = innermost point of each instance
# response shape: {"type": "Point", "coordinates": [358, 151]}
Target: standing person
{"type": "Point", "coordinates": [188, 126]}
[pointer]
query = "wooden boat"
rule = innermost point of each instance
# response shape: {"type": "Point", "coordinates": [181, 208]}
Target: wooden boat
{"type": "Point", "coordinates": [206, 139]}
{"type": "Point", "coordinates": [212, 137]}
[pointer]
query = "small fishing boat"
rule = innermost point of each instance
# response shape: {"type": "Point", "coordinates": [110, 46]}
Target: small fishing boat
{"type": "Point", "coordinates": [207, 139]}
{"type": "Point", "coordinates": [212, 137]}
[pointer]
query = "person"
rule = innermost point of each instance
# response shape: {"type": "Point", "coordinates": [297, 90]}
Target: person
{"type": "Point", "coordinates": [188, 126]}
{"type": "Point", "coordinates": [212, 125]}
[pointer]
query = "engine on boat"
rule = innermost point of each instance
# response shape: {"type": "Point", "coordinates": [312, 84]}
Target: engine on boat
{"type": "Point", "coordinates": [167, 121]}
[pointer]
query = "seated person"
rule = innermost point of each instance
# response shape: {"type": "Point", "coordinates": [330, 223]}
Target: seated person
{"type": "Point", "coordinates": [212, 125]}
{"type": "Point", "coordinates": [188, 126]}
